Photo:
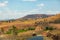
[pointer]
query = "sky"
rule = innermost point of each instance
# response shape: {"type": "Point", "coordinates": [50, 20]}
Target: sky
{"type": "Point", "coordinates": [12, 9]}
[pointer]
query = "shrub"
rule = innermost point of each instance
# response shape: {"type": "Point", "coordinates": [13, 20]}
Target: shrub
{"type": "Point", "coordinates": [49, 28]}
{"type": "Point", "coordinates": [21, 30]}
{"type": "Point", "coordinates": [31, 28]}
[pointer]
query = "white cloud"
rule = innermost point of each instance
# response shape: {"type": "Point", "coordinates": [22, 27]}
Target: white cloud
{"type": "Point", "coordinates": [3, 4]}
{"type": "Point", "coordinates": [29, 0]}
{"type": "Point", "coordinates": [41, 5]}
{"type": "Point", "coordinates": [7, 13]}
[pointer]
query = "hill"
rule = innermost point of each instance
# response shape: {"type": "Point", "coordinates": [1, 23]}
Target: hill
{"type": "Point", "coordinates": [51, 19]}
{"type": "Point", "coordinates": [36, 16]}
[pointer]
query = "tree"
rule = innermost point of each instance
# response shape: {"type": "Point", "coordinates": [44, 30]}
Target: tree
{"type": "Point", "coordinates": [49, 28]}
{"type": "Point", "coordinates": [14, 30]}
{"type": "Point", "coordinates": [31, 28]}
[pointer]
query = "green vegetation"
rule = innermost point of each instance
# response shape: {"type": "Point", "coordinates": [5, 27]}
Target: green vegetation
{"type": "Point", "coordinates": [18, 31]}
{"type": "Point", "coordinates": [49, 28]}
{"type": "Point", "coordinates": [31, 28]}
{"type": "Point", "coordinates": [21, 30]}
{"type": "Point", "coordinates": [14, 30]}
{"type": "Point", "coordinates": [9, 31]}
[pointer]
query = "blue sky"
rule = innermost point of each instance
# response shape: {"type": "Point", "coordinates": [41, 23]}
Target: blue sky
{"type": "Point", "coordinates": [10, 9]}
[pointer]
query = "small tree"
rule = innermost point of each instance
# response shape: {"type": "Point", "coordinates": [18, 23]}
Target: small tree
{"type": "Point", "coordinates": [31, 28]}
{"type": "Point", "coordinates": [49, 28]}
{"type": "Point", "coordinates": [14, 30]}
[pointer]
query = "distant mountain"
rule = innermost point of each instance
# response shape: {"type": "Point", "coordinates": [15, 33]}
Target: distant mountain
{"type": "Point", "coordinates": [35, 16]}
{"type": "Point", "coordinates": [31, 16]}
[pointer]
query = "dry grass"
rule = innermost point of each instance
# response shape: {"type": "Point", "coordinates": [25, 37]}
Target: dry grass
{"type": "Point", "coordinates": [57, 26]}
